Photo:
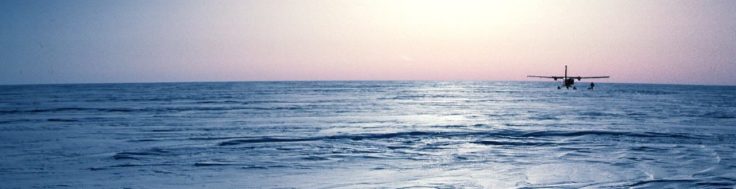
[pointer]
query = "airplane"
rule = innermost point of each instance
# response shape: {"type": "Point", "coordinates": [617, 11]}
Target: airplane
{"type": "Point", "coordinates": [569, 81]}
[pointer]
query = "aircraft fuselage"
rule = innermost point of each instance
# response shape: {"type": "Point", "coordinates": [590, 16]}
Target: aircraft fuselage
{"type": "Point", "coordinates": [568, 82]}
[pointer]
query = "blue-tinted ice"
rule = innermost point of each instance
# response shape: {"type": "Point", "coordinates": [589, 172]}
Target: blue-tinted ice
{"type": "Point", "coordinates": [366, 134]}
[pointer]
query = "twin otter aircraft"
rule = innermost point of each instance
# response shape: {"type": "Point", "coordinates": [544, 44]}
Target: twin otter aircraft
{"type": "Point", "coordinates": [570, 81]}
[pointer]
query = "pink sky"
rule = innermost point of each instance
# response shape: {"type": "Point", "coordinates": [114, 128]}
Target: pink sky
{"type": "Point", "coordinates": [692, 42]}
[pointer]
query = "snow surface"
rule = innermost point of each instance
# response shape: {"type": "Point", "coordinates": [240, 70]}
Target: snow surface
{"type": "Point", "coordinates": [366, 134]}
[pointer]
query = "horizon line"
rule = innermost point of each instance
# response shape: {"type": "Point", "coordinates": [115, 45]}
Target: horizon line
{"type": "Point", "coordinates": [330, 80]}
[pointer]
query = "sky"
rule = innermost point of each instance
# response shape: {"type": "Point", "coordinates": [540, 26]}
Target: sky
{"type": "Point", "coordinates": [104, 41]}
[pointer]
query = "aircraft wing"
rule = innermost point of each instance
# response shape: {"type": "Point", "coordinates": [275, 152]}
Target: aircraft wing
{"type": "Point", "coordinates": [592, 77]}
{"type": "Point", "coordinates": [549, 77]}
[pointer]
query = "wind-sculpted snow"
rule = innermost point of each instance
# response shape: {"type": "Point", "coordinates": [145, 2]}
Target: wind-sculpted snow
{"type": "Point", "coordinates": [380, 134]}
